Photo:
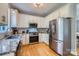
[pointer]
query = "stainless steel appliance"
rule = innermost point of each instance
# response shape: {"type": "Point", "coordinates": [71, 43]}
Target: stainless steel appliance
{"type": "Point", "coordinates": [60, 35]}
{"type": "Point", "coordinates": [33, 33]}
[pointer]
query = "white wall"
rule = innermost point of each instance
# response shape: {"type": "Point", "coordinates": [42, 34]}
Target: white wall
{"type": "Point", "coordinates": [63, 11]}
{"type": "Point", "coordinates": [73, 29]}
{"type": "Point", "coordinates": [25, 19]}
{"type": "Point", "coordinates": [3, 12]}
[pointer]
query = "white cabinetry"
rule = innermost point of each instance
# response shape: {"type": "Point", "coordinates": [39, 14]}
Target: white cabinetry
{"type": "Point", "coordinates": [44, 37]}
{"type": "Point", "coordinates": [25, 39]}
{"type": "Point", "coordinates": [4, 46]}
{"type": "Point", "coordinates": [77, 12]}
{"type": "Point", "coordinates": [77, 18]}
{"type": "Point", "coordinates": [13, 44]}
{"type": "Point", "coordinates": [14, 18]}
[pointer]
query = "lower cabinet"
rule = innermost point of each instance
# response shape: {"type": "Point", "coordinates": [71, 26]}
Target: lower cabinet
{"type": "Point", "coordinates": [4, 47]}
{"type": "Point", "coordinates": [44, 37]}
{"type": "Point", "coordinates": [9, 45]}
{"type": "Point", "coordinates": [13, 45]}
{"type": "Point", "coordinates": [25, 39]}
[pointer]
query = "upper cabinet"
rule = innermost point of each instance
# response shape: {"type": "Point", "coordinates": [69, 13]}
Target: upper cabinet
{"type": "Point", "coordinates": [77, 18]}
{"type": "Point", "coordinates": [77, 12]}
{"type": "Point", "coordinates": [14, 18]}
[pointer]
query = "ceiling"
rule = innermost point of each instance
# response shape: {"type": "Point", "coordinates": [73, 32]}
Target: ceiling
{"type": "Point", "coordinates": [28, 8]}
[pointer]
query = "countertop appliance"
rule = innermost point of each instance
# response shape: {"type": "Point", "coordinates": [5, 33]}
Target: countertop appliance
{"type": "Point", "coordinates": [60, 35]}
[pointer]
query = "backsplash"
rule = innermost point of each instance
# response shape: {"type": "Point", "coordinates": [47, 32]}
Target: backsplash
{"type": "Point", "coordinates": [43, 30]}
{"type": "Point", "coordinates": [40, 30]}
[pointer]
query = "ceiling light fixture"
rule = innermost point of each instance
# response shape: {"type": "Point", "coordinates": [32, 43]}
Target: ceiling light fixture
{"type": "Point", "coordinates": [38, 5]}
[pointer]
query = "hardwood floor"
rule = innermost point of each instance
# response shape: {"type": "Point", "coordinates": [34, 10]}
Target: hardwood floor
{"type": "Point", "coordinates": [37, 49]}
{"type": "Point", "coordinates": [78, 51]}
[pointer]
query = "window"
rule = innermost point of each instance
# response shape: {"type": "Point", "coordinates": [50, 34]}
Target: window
{"type": "Point", "coordinates": [3, 28]}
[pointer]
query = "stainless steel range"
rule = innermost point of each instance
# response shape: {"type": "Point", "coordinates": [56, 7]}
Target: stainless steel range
{"type": "Point", "coordinates": [33, 33]}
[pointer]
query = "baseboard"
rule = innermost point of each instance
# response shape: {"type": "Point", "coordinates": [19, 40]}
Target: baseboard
{"type": "Point", "coordinates": [73, 53]}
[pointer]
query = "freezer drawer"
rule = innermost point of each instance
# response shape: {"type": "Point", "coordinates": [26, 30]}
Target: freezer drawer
{"type": "Point", "coordinates": [54, 45]}
{"type": "Point", "coordinates": [60, 48]}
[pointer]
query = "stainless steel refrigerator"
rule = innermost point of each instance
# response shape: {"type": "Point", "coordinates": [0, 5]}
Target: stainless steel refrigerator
{"type": "Point", "coordinates": [60, 35]}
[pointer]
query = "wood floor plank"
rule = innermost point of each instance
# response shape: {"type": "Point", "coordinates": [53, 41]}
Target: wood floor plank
{"type": "Point", "coordinates": [39, 49]}
{"type": "Point", "coordinates": [78, 51]}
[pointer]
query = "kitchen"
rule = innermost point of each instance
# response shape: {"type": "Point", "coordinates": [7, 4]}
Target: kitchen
{"type": "Point", "coordinates": [22, 25]}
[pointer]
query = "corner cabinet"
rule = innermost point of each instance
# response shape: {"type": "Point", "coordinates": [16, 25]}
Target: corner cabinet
{"type": "Point", "coordinates": [44, 37]}
{"type": "Point", "coordinates": [25, 39]}
{"type": "Point", "coordinates": [14, 18]}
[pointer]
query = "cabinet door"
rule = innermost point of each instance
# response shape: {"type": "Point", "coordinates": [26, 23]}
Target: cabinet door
{"type": "Point", "coordinates": [44, 37]}
{"type": "Point", "coordinates": [5, 46]}
{"type": "Point", "coordinates": [13, 20]}
{"type": "Point", "coordinates": [40, 37]}
{"type": "Point", "coordinates": [23, 39]}
{"type": "Point", "coordinates": [13, 45]}
{"type": "Point", "coordinates": [14, 17]}
{"type": "Point", "coordinates": [27, 39]}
